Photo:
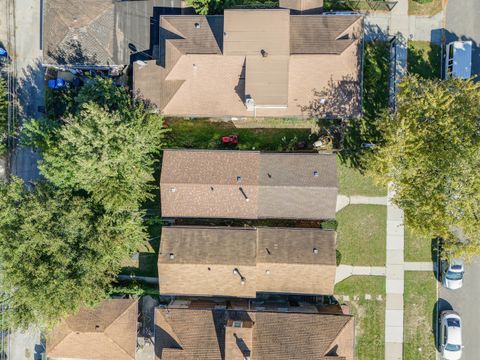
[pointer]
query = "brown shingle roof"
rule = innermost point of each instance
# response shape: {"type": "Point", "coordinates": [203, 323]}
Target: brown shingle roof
{"type": "Point", "coordinates": [313, 34]}
{"type": "Point", "coordinates": [202, 261]}
{"type": "Point", "coordinates": [248, 185]}
{"type": "Point", "coordinates": [107, 332]}
{"type": "Point", "coordinates": [189, 334]}
{"type": "Point", "coordinates": [222, 65]}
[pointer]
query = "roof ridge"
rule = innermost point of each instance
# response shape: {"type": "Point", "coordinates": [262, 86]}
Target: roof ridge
{"type": "Point", "coordinates": [121, 314]}
{"type": "Point", "coordinates": [67, 335]}
{"type": "Point", "coordinates": [118, 346]}
{"type": "Point", "coordinates": [338, 333]}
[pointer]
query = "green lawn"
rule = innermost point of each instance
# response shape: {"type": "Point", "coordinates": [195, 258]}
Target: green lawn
{"type": "Point", "coordinates": [206, 134]}
{"type": "Point", "coordinates": [354, 5]}
{"type": "Point", "coordinates": [417, 248]}
{"type": "Point", "coordinates": [425, 7]}
{"type": "Point", "coordinates": [352, 182]}
{"type": "Point", "coordinates": [361, 235]}
{"type": "Point", "coordinates": [419, 303]}
{"type": "Point", "coordinates": [369, 314]}
{"type": "Point", "coordinates": [424, 59]}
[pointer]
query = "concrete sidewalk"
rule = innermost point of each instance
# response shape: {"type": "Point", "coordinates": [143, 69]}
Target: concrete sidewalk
{"type": "Point", "coordinates": [394, 283]}
{"type": "Point", "coordinates": [345, 271]}
{"type": "Point", "coordinates": [345, 200]}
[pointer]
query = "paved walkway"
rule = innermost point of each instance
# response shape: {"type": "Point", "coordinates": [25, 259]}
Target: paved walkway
{"type": "Point", "coordinates": [345, 200]}
{"type": "Point", "coordinates": [394, 283]}
{"type": "Point", "coordinates": [345, 271]}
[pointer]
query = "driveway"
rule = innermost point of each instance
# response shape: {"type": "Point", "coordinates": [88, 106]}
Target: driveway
{"type": "Point", "coordinates": [462, 22]}
{"type": "Point", "coordinates": [465, 302]}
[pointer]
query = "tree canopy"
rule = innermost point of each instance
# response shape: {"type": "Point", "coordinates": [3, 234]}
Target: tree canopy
{"type": "Point", "coordinates": [59, 251]}
{"type": "Point", "coordinates": [63, 242]}
{"type": "Point", "coordinates": [108, 147]}
{"type": "Point", "coordinates": [431, 155]}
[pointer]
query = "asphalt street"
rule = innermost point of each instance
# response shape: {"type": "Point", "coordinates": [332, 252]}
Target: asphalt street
{"type": "Point", "coordinates": [465, 302]}
{"type": "Point", "coordinates": [463, 23]}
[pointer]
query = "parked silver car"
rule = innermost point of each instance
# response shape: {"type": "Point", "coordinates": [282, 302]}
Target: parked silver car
{"type": "Point", "coordinates": [452, 274]}
{"type": "Point", "coordinates": [451, 335]}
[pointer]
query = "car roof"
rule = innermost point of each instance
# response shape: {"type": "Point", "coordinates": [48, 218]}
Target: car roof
{"type": "Point", "coordinates": [456, 264]}
{"type": "Point", "coordinates": [454, 335]}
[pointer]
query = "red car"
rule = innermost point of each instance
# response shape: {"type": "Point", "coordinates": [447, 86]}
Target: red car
{"type": "Point", "coordinates": [232, 139]}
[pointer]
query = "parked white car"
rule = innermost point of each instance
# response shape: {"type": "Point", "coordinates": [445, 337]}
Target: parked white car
{"type": "Point", "coordinates": [451, 335]}
{"type": "Point", "coordinates": [453, 274]}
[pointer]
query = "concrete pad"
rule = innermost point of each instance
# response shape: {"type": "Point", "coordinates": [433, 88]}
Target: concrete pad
{"type": "Point", "coordinates": [394, 257]}
{"type": "Point", "coordinates": [394, 302]}
{"type": "Point", "coordinates": [395, 286]}
{"type": "Point", "coordinates": [395, 213]}
{"type": "Point", "coordinates": [394, 318]}
{"type": "Point", "coordinates": [394, 334]}
{"type": "Point", "coordinates": [395, 272]}
{"type": "Point", "coordinates": [342, 201]}
{"type": "Point", "coordinates": [393, 351]}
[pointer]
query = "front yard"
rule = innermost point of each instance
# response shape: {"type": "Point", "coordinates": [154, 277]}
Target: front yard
{"type": "Point", "coordinates": [424, 7]}
{"type": "Point", "coordinates": [419, 304]}
{"type": "Point", "coordinates": [366, 299]}
{"type": "Point", "coordinates": [352, 182]}
{"type": "Point", "coordinates": [361, 235]}
{"type": "Point", "coordinates": [424, 59]}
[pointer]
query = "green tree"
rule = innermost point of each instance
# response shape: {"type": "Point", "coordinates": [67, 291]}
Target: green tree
{"type": "Point", "coordinates": [206, 7]}
{"type": "Point", "coordinates": [108, 148]}
{"type": "Point", "coordinates": [59, 251]}
{"type": "Point", "coordinates": [431, 155]}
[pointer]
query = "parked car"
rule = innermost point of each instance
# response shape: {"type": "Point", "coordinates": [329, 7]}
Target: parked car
{"type": "Point", "coordinates": [232, 139]}
{"type": "Point", "coordinates": [450, 335]}
{"type": "Point", "coordinates": [3, 52]}
{"type": "Point", "coordinates": [458, 59]}
{"type": "Point", "coordinates": [452, 274]}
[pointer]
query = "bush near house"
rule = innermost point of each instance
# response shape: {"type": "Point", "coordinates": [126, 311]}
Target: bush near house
{"type": "Point", "coordinates": [3, 116]}
{"type": "Point", "coordinates": [424, 59]}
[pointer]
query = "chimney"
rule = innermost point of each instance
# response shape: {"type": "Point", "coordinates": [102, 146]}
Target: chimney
{"type": "Point", "coordinates": [264, 53]}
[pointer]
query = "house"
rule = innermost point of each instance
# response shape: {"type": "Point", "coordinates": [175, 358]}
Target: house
{"type": "Point", "coordinates": [241, 262]}
{"type": "Point", "coordinates": [101, 33]}
{"type": "Point", "coordinates": [252, 62]}
{"type": "Point", "coordinates": [248, 185]}
{"type": "Point", "coordinates": [190, 331]}
{"type": "Point", "coordinates": [107, 332]}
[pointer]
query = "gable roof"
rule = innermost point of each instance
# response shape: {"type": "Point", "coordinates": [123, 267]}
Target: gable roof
{"type": "Point", "coordinates": [188, 334]}
{"type": "Point", "coordinates": [248, 185]}
{"type": "Point", "coordinates": [107, 332]}
{"type": "Point", "coordinates": [254, 59]}
{"type": "Point", "coordinates": [244, 261]}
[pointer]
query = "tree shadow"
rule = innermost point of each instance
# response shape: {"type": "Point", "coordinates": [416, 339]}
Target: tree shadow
{"type": "Point", "coordinates": [72, 53]}
{"type": "Point", "coordinates": [425, 61]}
{"type": "Point", "coordinates": [440, 305]}
{"type": "Point", "coordinates": [30, 90]}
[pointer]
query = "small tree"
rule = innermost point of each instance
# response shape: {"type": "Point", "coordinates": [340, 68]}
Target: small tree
{"type": "Point", "coordinates": [431, 155]}
{"type": "Point", "coordinates": [58, 252]}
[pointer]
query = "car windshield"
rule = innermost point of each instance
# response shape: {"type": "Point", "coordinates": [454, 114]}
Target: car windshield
{"type": "Point", "coordinates": [453, 275]}
{"type": "Point", "coordinates": [453, 347]}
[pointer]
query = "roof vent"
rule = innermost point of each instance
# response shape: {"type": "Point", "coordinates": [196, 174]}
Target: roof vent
{"type": "Point", "coordinates": [173, 189]}
{"type": "Point", "coordinates": [239, 179]}
{"type": "Point", "coordinates": [267, 272]}
{"type": "Point", "coordinates": [316, 173]}
{"type": "Point", "coordinates": [315, 251]}
{"type": "Point", "coordinates": [197, 26]}
{"type": "Point", "coordinates": [243, 193]}
{"type": "Point", "coordinates": [264, 53]}
{"type": "Point", "coordinates": [172, 256]}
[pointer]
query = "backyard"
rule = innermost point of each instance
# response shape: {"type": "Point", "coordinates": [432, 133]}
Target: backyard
{"type": "Point", "coordinates": [365, 296]}
{"type": "Point", "coordinates": [361, 235]}
{"type": "Point", "coordinates": [419, 303]}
